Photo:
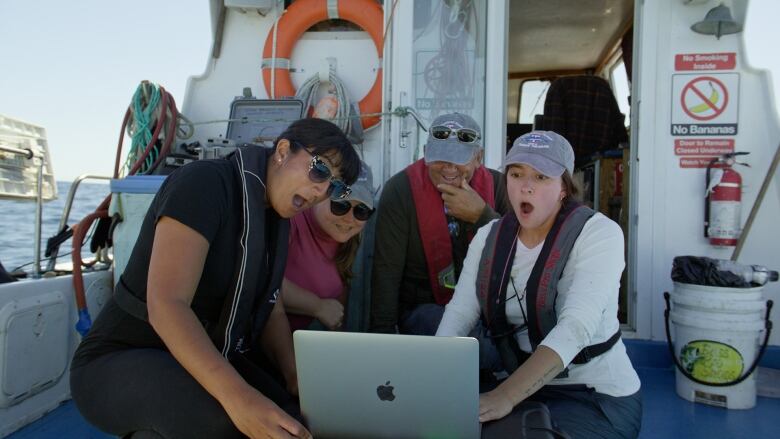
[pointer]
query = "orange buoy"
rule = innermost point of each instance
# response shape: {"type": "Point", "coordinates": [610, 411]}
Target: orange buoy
{"type": "Point", "coordinates": [302, 15]}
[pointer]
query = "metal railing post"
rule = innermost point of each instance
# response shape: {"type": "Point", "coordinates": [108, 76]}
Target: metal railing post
{"type": "Point", "coordinates": [66, 211]}
{"type": "Point", "coordinates": [38, 221]}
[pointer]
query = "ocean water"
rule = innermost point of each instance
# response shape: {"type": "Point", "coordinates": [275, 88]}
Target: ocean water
{"type": "Point", "coordinates": [17, 222]}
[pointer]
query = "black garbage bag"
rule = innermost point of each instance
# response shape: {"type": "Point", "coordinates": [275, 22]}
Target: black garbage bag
{"type": "Point", "coordinates": [700, 270]}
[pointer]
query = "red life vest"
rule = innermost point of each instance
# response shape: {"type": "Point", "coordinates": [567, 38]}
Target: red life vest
{"type": "Point", "coordinates": [432, 224]}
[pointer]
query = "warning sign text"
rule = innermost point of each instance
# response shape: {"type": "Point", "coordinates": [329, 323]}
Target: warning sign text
{"type": "Point", "coordinates": [703, 147]}
{"type": "Point", "coordinates": [705, 61]}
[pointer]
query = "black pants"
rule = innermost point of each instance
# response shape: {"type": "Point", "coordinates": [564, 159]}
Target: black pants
{"type": "Point", "coordinates": [149, 392]}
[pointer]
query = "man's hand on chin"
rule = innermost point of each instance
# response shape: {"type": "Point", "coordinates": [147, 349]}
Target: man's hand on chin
{"type": "Point", "coordinates": [463, 202]}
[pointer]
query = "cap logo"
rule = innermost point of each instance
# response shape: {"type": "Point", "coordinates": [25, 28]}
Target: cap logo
{"type": "Point", "coordinates": [536, 140]}
{"type": "Point", "coordinates": [452, 124]}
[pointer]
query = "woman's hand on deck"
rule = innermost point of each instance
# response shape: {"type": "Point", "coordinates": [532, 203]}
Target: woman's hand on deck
{"type": "Point", "coordinates": [331, 313]}
{"type": "Point", "coordinates": [259, 418]}
{"type": "Point", "coordinates": [494, 405]}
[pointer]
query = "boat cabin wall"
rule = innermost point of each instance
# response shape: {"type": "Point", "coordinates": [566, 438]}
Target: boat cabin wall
{"type": "Point", "coordinates": [669, 179]}
{"type": "Point", "coordinates": [239, 46]}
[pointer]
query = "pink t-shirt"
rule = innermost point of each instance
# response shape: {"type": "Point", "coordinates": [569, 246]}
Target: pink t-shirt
{"type": "Point", "coordinates": [310, 262]}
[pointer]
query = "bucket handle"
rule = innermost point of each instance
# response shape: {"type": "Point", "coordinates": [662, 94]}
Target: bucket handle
{"type": "Point", "coordinates": [670, 344]}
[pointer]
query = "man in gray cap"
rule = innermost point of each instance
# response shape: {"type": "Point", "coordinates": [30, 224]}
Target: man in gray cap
{"type": "Point", "coordinates": [426, 218]}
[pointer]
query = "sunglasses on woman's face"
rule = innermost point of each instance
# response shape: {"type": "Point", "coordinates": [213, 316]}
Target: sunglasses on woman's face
{"type": "Point", "coordinates": [465, 135]}
{"type": "Point", "coordinates": [360, 211]}
{"type": "Point", "coordinates": [319, 172]}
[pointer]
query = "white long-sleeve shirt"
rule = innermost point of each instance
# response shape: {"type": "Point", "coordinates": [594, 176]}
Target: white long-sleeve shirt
{"type": "Point", "coordinates": [586, 306]}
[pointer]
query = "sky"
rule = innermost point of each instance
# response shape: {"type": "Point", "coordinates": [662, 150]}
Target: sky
{"type": "Point", "coordinates": [73, 66]}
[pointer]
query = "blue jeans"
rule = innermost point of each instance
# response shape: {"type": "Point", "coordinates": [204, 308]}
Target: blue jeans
{"type": "Point", "coordinates": [425, 319]}
{"type": "Point", "coordinates": [583, 413]}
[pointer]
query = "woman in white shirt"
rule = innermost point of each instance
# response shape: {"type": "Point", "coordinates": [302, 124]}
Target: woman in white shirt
{"type": "Point", "coordinates": [554, 322]}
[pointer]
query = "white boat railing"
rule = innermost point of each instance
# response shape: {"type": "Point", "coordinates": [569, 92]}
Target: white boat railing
{"type": "Point", "coordinates": [30, 154]}
{"type": "Point", "coordinates": [66, 213]}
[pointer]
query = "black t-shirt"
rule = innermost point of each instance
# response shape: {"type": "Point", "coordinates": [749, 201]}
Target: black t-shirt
{"type": "Point", "coordinates": [200, 196]}
{"type": "Point", "coordinates": [204, 196]}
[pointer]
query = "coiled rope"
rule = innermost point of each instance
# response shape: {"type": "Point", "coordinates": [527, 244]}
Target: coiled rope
{"type": "Point", "coordinates": [308, 93]}
{"type": "Point", "coordinates": [151, 106]}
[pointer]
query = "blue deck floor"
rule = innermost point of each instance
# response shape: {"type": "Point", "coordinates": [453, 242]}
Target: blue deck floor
{"type": "Point", "coordinates": [666, 416]}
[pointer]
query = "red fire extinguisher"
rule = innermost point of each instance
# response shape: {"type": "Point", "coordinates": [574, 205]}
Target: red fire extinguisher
{"type": "Point", "coordinates": [723, 202]}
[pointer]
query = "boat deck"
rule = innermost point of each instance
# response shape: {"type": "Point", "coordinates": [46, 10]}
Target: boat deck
{"type": "Point", "coordinates": [665, 414]}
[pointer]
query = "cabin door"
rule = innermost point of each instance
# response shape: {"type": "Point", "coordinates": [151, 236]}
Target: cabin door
{"type": "Point", "coordinates": [446, 56]}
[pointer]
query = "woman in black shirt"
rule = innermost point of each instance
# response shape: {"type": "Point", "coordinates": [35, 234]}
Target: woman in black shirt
{"type": "Point", "coordinates": [195, 337]}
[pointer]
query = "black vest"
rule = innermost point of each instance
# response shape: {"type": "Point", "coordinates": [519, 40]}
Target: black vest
{"type": "Point", "coordinates": [259, 265]}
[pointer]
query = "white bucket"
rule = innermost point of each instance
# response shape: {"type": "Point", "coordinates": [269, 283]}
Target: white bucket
{"type": "Point", "coordinates": [716, 339]}
{"type": "Point", "coordinates": [717, 293]}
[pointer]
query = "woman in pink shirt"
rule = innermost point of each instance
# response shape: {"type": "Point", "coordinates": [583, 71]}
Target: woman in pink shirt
{"type": "Point", "coordinates": [323, 244]}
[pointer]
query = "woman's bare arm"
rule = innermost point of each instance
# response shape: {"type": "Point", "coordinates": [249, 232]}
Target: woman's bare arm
{"type": "Point", "coordinates": [543, 365]}
{"type": "Point", "coordinates": [299, 300]}
{"type": "Point", "coordinates": [278, 345]}
{"type": "Point", "coordinates": [178, 257]}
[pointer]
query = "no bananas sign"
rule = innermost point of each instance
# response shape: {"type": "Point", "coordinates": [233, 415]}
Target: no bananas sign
{"type": "Point", "coordinates": [705, 104]}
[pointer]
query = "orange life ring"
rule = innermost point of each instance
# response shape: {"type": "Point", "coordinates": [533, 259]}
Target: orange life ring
{"type": "Point", "coordinates": [302, 15]}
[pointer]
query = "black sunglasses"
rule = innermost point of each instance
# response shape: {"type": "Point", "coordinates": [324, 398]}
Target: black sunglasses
{"type": "Point", "coordinates": [465, 135]}
{"type": "Point", "coordinates": [360, 211]}
{"type": "Point", "coordinates": [319, 172]}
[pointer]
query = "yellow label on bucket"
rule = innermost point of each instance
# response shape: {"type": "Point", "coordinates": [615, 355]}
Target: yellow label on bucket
{"type": "Point", "coordinates": [711, 361]}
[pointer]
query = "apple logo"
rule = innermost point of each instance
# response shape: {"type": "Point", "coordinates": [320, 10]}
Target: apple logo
{"type": "Point", "coordinates": [385, 392]}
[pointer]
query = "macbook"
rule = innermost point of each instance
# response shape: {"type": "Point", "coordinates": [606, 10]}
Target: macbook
{"type": "Point", "coordinates": [355, 385]}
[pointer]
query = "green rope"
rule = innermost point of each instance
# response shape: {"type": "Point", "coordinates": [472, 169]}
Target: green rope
{"type": "Point", "coordinates": [144, 105]}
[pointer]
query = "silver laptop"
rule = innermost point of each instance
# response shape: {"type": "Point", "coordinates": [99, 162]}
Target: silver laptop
{"type": "Point", "coordinates": [367, 386]}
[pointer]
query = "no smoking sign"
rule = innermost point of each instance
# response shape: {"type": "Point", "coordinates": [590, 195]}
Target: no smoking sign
{"type": "Point", "coordinates": [705, 105]}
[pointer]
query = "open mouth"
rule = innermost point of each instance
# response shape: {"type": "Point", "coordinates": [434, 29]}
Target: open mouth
{"type": "Point", "coordinates": [299, 202]}
{"type": "Point", "coordinates": [526, 208]}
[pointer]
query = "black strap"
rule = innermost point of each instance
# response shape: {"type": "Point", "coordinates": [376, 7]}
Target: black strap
{"type": "Point", "coordinates": [502, 249]}
{"type": "Point", "coordinates": [594, 350]}
{"type": "Point", "coordinates": [129, 302]}
{"type": "Point", "coordinates": [53, 243]}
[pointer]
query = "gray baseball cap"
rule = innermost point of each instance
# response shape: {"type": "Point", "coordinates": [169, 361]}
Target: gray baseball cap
{"type": "Point", "coordinates": [546, 151]}
{"type": "Point", "coordinates": [451, 149]}
{"type": "Point", "coordinates": [363, 187]}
